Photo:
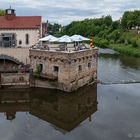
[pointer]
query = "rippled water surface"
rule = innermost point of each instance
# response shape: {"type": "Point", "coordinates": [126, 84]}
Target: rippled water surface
{"type": "Point", "coordinates": [99, 112]}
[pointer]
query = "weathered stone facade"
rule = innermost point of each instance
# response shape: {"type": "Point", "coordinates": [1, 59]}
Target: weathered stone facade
{"type": "Point", "coordinates": [67, 70]}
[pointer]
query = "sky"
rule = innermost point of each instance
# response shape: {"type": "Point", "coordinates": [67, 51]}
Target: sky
{"type": "Point", "coordinates": [66, 11]}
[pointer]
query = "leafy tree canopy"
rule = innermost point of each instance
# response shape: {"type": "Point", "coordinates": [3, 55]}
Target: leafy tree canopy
{"type": "Point", "coordinates": [2, 12]}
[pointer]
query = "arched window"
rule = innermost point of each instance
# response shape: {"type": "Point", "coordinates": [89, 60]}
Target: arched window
{"type": "Point", "coordinates": [27, 39]}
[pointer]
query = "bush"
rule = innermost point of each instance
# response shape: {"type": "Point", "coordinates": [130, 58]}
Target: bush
{"type": "Point", "coordinates": [138, 43]}
{"type": "Point", "coordinates": [103, 43]}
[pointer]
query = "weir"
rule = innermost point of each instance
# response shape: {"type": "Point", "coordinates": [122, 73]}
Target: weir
{"type": "Point", "coordinates": [119, 82]}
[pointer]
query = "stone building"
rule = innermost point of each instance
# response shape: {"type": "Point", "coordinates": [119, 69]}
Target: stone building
{"type": "Point", "coordinates": [19, 31]}
{"type": "Point", "coordinates": [64, 70]}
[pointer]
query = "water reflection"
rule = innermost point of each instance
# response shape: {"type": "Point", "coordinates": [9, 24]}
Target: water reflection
{"type": "Point", "coordinates": [65, 111]}
{"type": "Point", "coordinates": [114, 67]}
{"type": "Point", "coordinates": [125, 61]}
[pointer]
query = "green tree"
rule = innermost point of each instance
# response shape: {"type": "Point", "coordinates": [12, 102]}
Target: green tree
{"type": "Point", "coordinates": [2, 12]}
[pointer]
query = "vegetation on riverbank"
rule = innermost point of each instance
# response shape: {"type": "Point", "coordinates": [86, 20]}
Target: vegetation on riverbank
{"type": "Point", "coordinates": [122, 35]}
{"type": "Point", "coordinates": [2, 12]}
{"type": "Point", "coordinates": [126, 49]}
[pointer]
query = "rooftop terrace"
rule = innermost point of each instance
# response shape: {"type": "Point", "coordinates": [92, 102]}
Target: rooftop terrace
{"type": "Point", "coordinates": [66, 48]}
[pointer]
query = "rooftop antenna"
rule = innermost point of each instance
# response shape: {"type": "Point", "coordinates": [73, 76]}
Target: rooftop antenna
{"type": "Point", "coordinates": [10, 6]}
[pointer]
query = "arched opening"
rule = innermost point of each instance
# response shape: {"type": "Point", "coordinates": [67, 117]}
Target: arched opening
{"type": "Point", "coordinates": [9, 64]}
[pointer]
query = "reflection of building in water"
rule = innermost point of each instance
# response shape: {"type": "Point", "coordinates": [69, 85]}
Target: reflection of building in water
{"type": "Point", "coordinates": [10, 103]}
{"type": "Point", "coordinates": [62, 110]}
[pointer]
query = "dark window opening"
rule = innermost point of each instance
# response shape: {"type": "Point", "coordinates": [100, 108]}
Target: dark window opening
{"type": "Point", "coordinates": [27, 38]}
{"type": "Point", "coordinates": [56, 68]}
{"type": "Point", "coordinates": [89, 65]}
{"type": "Point", "coordinates": [80, 68]}
{"type": "Point", "coordinates": [20, 42]}
{"type": "Point", "coordinates": [41, 67]}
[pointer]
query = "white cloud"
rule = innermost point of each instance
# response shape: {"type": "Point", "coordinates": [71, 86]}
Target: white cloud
{"type": "Point", "coordinates": [65, 11]}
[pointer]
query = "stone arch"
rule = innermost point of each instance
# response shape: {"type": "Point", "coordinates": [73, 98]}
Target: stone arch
{"type": "Point", "coordinates": [6, 57]}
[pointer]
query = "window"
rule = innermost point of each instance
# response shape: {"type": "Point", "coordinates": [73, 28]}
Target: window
{"type": "Point", "coordinates": [89, 65]}
{"type": "Point", "coordinates": [27, 39]}
{"type": "Point", "coordinates": [20, 42]}
{"type": "Point", "coordinates": [41, 67]}
{"type": "Point", "coordinates": [80, 68]}
{"type": "Point", "coordinates": [56, 68]}
{"type": "Point", "coordinates": [9, 11]}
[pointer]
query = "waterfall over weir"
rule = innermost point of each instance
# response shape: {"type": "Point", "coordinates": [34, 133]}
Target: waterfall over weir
{"type": "Point", "coordinates": [119, 82]}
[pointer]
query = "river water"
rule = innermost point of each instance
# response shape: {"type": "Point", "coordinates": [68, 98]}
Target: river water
{"type": "Point", "coordinates": [99, 112]}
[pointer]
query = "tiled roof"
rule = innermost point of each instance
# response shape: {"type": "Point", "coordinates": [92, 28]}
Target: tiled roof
{"type": "Point", "coordinates": [20, 22]}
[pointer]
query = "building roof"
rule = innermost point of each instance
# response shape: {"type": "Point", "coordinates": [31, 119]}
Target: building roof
{"type": "Point", "coordinates": [20, 22]}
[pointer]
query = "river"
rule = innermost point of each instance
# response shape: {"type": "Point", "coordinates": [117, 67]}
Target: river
{"type": "Point", "coordinates": [100, 112]}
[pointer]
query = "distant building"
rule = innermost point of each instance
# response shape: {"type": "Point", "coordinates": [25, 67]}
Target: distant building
{"type": "Point", "coordinates": [44, 29]}
{"type": "Point", "coordinates": [19, 31]}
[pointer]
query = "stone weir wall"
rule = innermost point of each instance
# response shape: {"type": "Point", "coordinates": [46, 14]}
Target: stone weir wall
{"type": "Point", "coordinates": [66, 71]}
{"type": "Point", "coordinates": [14, 80]}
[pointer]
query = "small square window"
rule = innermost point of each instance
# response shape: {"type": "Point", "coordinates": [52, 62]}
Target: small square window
{"type": "Point", "coordinates": [56, 68]}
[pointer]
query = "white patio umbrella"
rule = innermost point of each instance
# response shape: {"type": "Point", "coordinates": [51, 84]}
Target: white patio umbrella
{"type": "Point", "coordinates": [78, 38]}
{"type": "Point", "coordinates": [55, 39]}
{"type": "Point", "coordinates": [49, 38]}
{"type": "Point", "coordinates": [65, 39]}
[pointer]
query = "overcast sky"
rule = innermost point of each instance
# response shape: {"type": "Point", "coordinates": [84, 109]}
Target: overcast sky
{"type": "Point", "coordinates": [65, 11]}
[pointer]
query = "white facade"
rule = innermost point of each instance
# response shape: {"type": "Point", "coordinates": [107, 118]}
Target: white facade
{"type": "Point", "coordinates": [33, 36]}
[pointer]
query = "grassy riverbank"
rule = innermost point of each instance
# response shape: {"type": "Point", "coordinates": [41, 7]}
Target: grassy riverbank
{"type": "Point", "coordinates": [125, 49]}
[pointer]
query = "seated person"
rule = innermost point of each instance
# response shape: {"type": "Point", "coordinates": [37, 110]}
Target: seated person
{"type": "Point", "coordinates": [46, 47]}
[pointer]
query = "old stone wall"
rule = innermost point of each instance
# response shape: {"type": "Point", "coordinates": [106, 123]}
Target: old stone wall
{"type": "Point", "coordinates": [21, 54]}
{"type": "Point", "coordinates": [72, 69]}
{"type": "Point", "coordinates": [8, 79]}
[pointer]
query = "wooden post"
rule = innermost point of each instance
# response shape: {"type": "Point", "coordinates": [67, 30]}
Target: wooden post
{"type": "Point", "coordinates": [91, 42]}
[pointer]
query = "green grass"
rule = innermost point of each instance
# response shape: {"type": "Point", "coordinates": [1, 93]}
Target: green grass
{"type": "Point", "coordinates": [125, 49]}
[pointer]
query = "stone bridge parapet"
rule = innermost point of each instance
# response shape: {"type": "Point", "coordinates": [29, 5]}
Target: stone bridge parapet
{"type": "Point", "coordinates": [20, 55]}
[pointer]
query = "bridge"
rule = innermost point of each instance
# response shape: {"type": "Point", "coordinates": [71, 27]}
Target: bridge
{"type": "Point", "coordinates": [16, 55]}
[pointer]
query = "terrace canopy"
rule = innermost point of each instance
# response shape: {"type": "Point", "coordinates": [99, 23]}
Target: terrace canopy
{"type": "Point", "coordinates": [65, 39]}
{"type": "Point", "coordinates": [49, 38]}
{"type": "Point", "coordinates": [78, 38]}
